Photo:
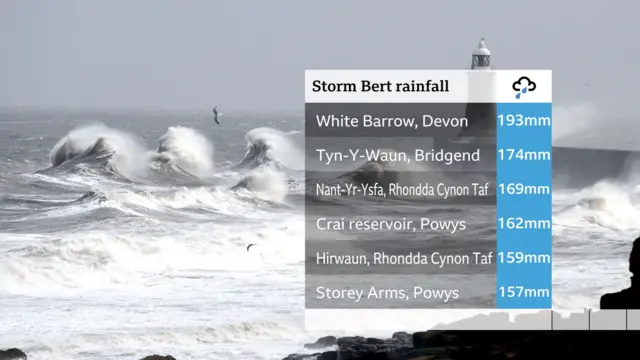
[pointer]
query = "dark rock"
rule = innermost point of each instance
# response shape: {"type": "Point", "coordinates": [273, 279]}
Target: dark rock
{"type": "Point", "coordinates": [358, 347]}
{"type": "Point", "coordinates": [158, 357]}
{"type": "Point", "coordinates": [323, 342]}
{"type": "Point", "coordinates": [374, 341]}
{"type": "Point", "coordinates": [410, 353]}
{"type": "Point", "coordinates": [329, 355]}
{"type": "Point", "coordinates": [402, 336]}
{"type": "Point", "coordinates": [490, 345]}
{"type": "Point", "coordinates": [12, 354]}
{"type": "Point", "coordinates": [432, 338]}
{"type": "Point", "coordinates": [314, 356]}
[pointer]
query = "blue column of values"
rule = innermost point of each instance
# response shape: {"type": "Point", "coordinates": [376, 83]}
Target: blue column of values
{"type": "Point", "coordinates": [524, 215]}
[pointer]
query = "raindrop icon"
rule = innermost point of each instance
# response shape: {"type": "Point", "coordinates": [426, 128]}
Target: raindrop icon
{"type": "Point", "coordinates": [524, 91]}
{"type": "Point", "coordinates": [518, 96]}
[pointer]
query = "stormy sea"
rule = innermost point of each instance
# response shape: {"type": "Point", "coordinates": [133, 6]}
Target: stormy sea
{"type": "Point", "coordinates": [124, 234]}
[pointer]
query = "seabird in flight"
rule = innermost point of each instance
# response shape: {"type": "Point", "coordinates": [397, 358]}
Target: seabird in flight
{"type": "Point", "coordinates": [215, 114]}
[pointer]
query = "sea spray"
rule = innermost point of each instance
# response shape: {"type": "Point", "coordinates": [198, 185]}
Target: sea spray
{"type": "Point", "coordinates": [270, 146]}
{"type": "Point", "coordinates": [265, 183]}
{"type": "Point", "coordinates": [187, 149]}
{"type": "Point", "coordinates": [570, 120]}
{"type": "Point", "coordinates": [606, 205]}
{"type": "Point", "coordinates": [128, 153]}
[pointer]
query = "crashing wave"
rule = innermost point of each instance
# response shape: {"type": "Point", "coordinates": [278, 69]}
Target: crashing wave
{"type": "Point", "coordinates": [266, 182]}
{"type": "Point", "coordinates": [69, 150]}
{"type": "Point", "coordinates": [186, 151]}
{"type": "Point", "coordinates": [267, 146]}
{"type": "Point", "coordinates": [384, 172]}
{"type": "Point", "coordinates": [114, 150]}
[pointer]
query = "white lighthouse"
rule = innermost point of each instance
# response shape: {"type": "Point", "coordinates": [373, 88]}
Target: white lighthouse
{"type": "Point", "coordinates": [481, 115]}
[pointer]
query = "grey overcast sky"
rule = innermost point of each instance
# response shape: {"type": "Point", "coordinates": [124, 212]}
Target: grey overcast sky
{"type": "Point", "coordinates": [251, 54]}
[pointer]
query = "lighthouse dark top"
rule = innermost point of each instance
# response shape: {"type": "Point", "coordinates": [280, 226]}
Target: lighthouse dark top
{"type": "Point", "coordinates": [481, 57]}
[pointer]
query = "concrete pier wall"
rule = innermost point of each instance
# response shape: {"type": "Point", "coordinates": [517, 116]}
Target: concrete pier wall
{"type": "Point", "coordinates": [573, 168]}
{"type": "Point", "coordinates": [580, 167]}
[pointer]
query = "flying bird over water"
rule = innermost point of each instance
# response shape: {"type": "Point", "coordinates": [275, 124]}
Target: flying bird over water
{"type": "Point", "coordinates": [215, 114]}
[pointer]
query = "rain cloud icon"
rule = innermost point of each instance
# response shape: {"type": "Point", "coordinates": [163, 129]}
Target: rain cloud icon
{"type": "Point", "coordinates": [522, 86]}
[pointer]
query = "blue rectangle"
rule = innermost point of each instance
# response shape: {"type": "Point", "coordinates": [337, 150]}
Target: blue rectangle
{"type": "Point", "coordinates": [524, 217]}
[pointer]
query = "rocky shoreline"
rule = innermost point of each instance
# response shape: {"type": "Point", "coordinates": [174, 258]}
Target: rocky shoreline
{"type": "Point", "coordinates": [477, 345]}
{"type": "Point", "coordinates": [458, 345]}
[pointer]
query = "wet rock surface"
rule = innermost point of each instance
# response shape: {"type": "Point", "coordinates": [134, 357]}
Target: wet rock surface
{"type": "Point", "coordinates": [476, 345]}
{"type": "Point", "coordinates": [459, 345]}
{"type": "Point", "coordinates": [12, 354]}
